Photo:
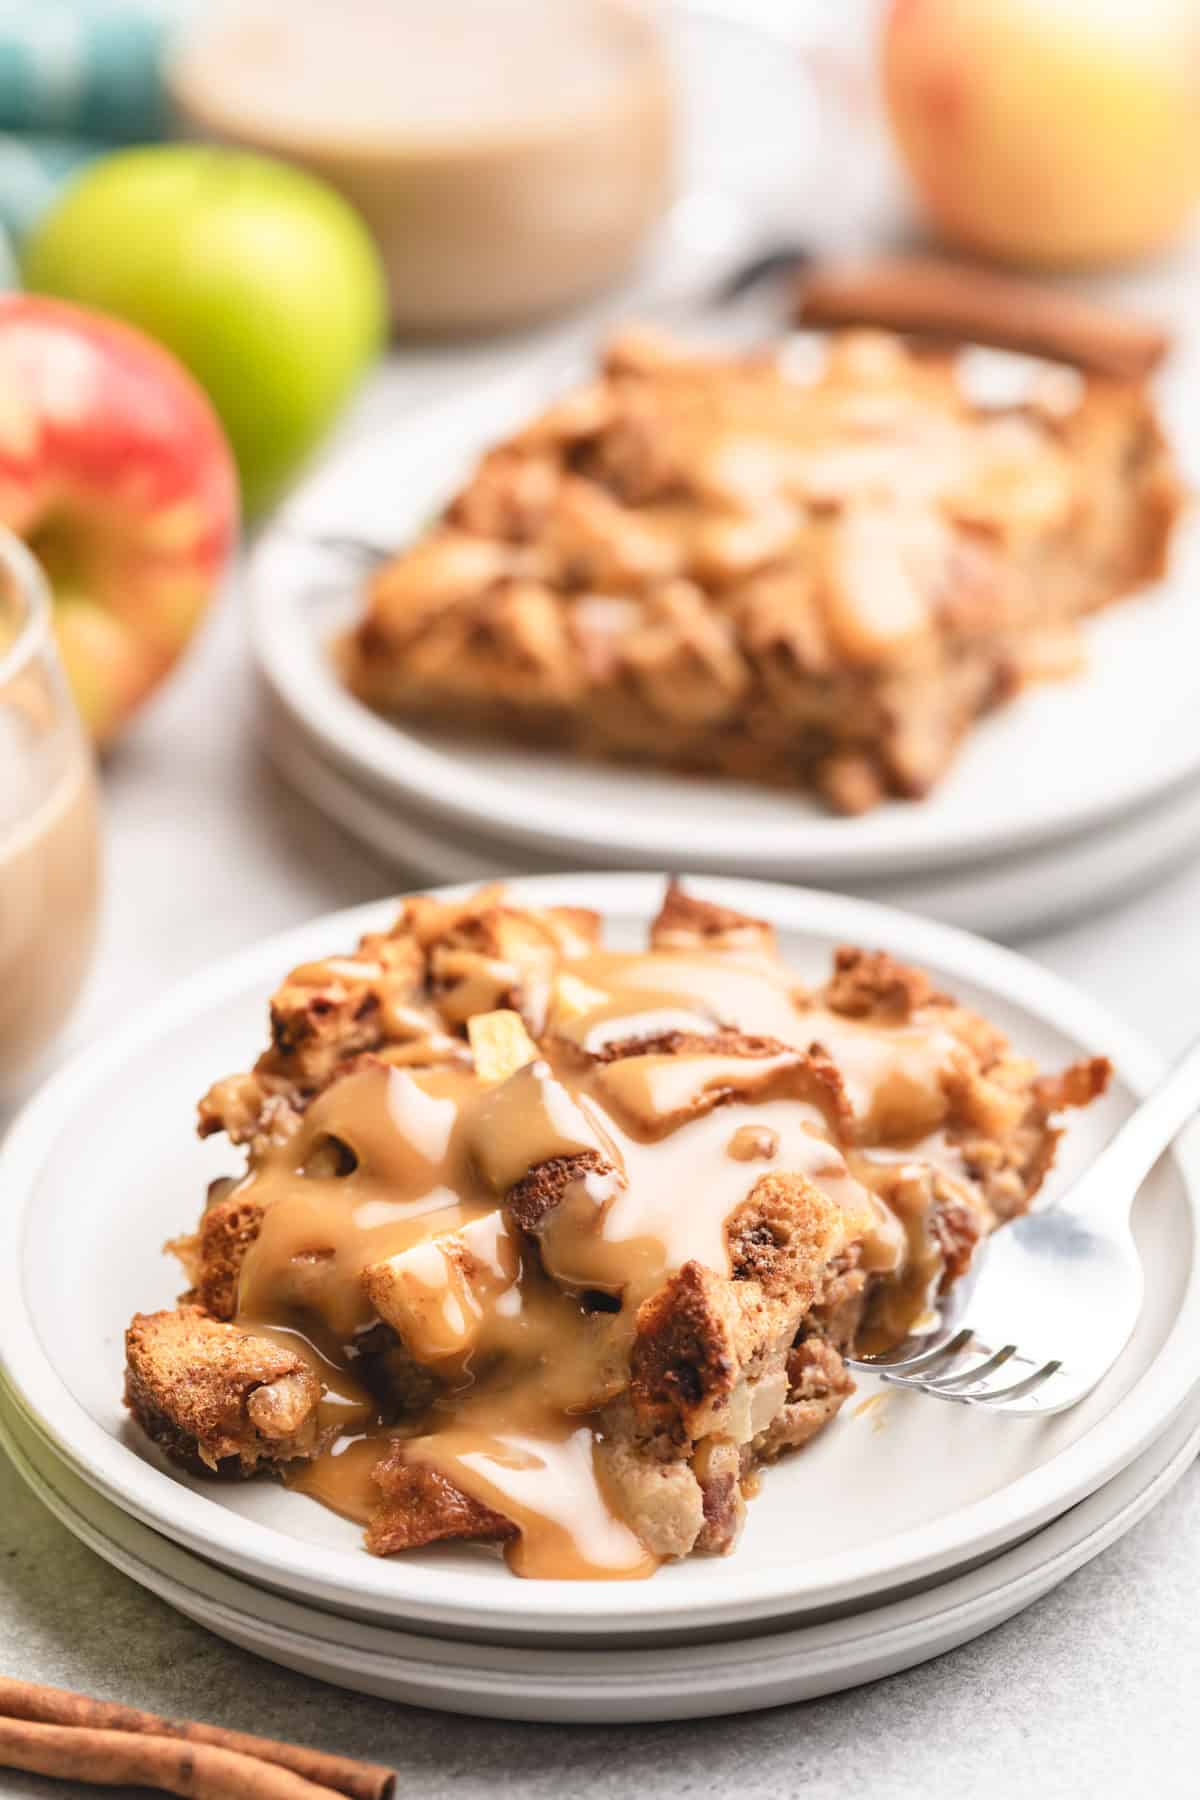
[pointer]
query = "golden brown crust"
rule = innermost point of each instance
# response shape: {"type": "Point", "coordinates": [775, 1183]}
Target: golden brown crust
{"type": "Point", "coordinates": [687, 921]}
{"type": "Point", "coordinates": [216, 1397]}
{"type": "Point", "coordinates": [818, 1385]}
{"type": "Point", "coordinates": [216, 1253]}
{"type": "Point", "coordinates": [709, 1353]}
{"type": "Point", "coordinates": [685, 1361]}
{"type": "Point", "coordinates": [402, 997]}
{"type": "Point", "coordinates": [870, 984]}
{"type": "Point", "coordinates": [420, 1506]}
{"type": "Point", "coordinates": [501, 958]}
{"type": "Point", "coordinates": [540, 1191]}
{"type": "Point", "coordinates": [782, 1237]}
{"type": "Point", "coordinates": [740, 1045]}
{"type": "Point", "coordinates": [375, 1003]}
{"type": "Point", "coordinates": [1077, 1085]}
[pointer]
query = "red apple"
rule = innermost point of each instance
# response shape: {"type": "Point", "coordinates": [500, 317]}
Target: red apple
{"type": "Point", "coordinates": [115, 471]}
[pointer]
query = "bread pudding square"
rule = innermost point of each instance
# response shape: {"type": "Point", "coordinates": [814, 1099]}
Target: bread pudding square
{"type": "Point", "coordinates": [813, 578]}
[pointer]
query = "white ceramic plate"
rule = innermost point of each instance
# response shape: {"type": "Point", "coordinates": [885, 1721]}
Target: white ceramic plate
{"type": "Point", "coordinates": [102, 1167]}
{"type": "Point", "coordinates": [1064, 757]}
{"type": "Point", "coordinates": [1006, 897]}
{"type": "Point", "coordinates": [609, 1686]}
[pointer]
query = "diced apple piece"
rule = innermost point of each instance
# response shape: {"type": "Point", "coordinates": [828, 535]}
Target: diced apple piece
{"type": "Point", "coordinates": [436, 1294]}
{"type": "Point", "coordinates": [500, 1044]}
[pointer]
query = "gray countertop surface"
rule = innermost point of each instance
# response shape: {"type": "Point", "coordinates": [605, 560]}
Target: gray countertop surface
{"type": "Point", "coordinates": [1092, 1691]}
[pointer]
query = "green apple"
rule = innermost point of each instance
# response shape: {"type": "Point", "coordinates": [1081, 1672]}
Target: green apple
{"type": "Point", "coordinates": [260, 278]}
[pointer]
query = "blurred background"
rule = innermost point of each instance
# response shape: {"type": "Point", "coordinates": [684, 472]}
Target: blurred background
{"type": "Point", "coordinates": [316, 218]}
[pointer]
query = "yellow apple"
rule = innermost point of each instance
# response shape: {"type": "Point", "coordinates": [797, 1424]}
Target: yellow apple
{"type": "Point", "coordinates": [1051, 132]}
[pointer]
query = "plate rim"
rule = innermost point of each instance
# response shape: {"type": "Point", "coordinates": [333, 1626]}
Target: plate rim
{"type": "Point", "coordinates": [1018, 1574]}
{"type": "Point", "coordinates": [430, 1595]}
{"type": "Point", "coordinates": [825, 849]}
{"type": "Point", "coordinates": [1165, 834]}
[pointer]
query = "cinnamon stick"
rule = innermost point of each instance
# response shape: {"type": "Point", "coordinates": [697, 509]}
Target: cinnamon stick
{"type": "Point", "coordinates": [975, 306]}
{"type": "Point", "coordinates": [83, 1716]}
{"type": "Point", "coordinates": [127, 1759]}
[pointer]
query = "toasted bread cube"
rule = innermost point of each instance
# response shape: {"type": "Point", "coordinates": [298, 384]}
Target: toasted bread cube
{"type": "Point", "coordinates": [419, 1505]}
{"type": "Point", "coordinates": [500, 957]}
{"type": "Point", "coordinates": [686, 922]}
{"type": "Point", "coordinates": [785, 1234]}
{"type": "Point", "coordinates": [213, 1255]}
{"type": "Point", "coordinates": [210, 1394]}
{"type": "Point", "coordinates": [708, 1356]}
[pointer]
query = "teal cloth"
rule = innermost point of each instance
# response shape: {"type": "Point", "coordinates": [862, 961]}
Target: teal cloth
{"type": "Point", "coordinates": [76, 78]}
{"type": "Point", "coordinates": [33, 168]}
{"type": "Point", "coordinates": [86, 68]}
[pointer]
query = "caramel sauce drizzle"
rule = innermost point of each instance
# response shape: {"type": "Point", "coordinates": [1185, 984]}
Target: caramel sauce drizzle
{"type": "Point", "coordinates": [386, 1204]}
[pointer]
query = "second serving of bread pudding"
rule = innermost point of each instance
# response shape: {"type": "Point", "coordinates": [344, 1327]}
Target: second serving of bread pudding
{"type": "Point", "coordinates": [556, 1246]}
{"type": "Point", "coordinates": [817, 579]}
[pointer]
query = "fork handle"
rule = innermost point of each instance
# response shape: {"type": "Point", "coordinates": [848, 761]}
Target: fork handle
{"type": "Point", "coordinates": [1110, 1185]}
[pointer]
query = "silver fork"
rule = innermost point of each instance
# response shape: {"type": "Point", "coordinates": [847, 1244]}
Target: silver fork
{"type": "Point", "coordinates": [1058, 1293]}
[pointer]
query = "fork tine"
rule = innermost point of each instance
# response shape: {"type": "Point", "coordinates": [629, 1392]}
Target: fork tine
{"type": "Point", "coordinates": [997, 1396]}
{"type": "Point", "coordinates": [964, 1395]}
{"type": "Point", "coordinates": [965, 1381]}
{"type": "Point", "coordinates": [929, 1362]}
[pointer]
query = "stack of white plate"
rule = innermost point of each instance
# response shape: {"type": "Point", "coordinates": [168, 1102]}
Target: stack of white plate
{"type": "Point", "coordinates": [1078, 793]}
{"type": "Point", "coordinates": [908, 1527]}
